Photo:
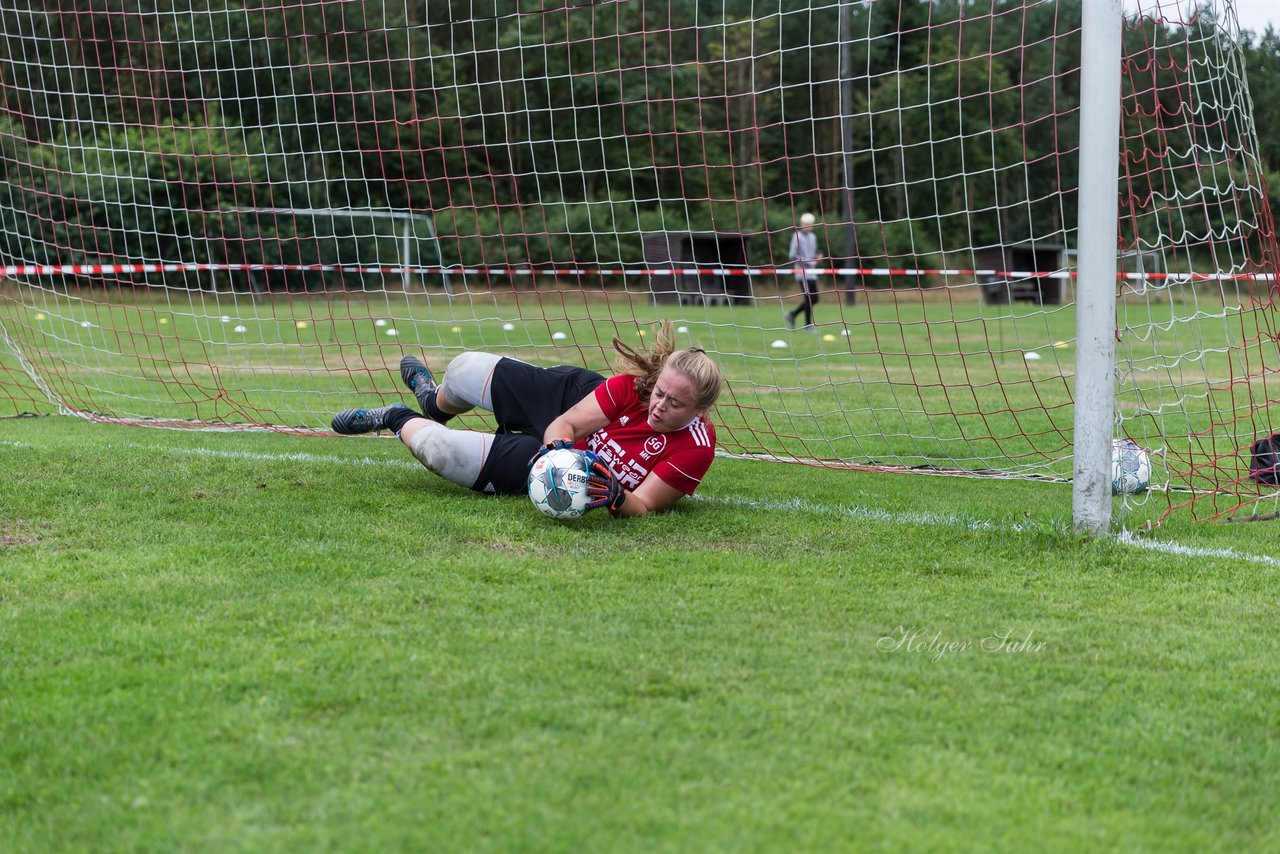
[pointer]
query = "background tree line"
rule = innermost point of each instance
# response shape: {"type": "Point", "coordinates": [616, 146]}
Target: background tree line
{"type": "Point", "coordinates": [545, 132]}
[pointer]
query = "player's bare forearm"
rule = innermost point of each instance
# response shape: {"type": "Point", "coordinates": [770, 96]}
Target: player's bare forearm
{"type": "Point", "coordinates": [634, 506]}
{"type": "Point", "coordinates": [653, 495]}
{"type": "Point", "coordinates": [581, 420]}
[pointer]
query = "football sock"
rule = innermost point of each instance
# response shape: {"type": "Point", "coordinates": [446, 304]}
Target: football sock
{"type": "Point", "coordinates": [433, 411]}
{"type": "Point", "coordinates": [397, 418]}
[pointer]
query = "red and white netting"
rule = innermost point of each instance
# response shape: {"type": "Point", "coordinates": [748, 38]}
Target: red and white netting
{"type": "Point", "coordinates": [215, 216]}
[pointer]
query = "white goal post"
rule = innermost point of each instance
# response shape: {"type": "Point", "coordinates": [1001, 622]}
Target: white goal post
{"type": "Point", "coordinates": [1100, 54]}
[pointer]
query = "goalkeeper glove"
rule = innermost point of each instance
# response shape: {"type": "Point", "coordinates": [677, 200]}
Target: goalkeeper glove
{"type": "Point", "coordinates": [603, 488]}
{"type": "Point", "coordinates": [557, 445]}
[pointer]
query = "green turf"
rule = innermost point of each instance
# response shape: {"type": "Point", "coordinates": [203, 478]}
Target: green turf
{"type": "Point", "coordinates": [902, 378]}
{"type": "Point", "coordinates": [259, 642]}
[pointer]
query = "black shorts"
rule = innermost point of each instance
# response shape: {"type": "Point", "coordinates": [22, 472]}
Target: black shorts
{"type": "Point", "coordinates": [526, 399]}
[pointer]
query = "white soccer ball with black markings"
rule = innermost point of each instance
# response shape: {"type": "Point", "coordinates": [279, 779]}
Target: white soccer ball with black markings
{"type": "Point", "coordinates": [1130, 468]}
{"type": "Point", "coordinates": [558, 483]}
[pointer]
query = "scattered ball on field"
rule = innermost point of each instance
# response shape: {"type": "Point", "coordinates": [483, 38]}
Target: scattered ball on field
{"type": "Point", "coordinates": [86, 324]}
{"type": "Point", "coordinates": [1130, 468]}
{"type": "Point", "coordinates": [455, 329]}
{"type": "Point", "coordinates": [391, 330]}
{"type": "Point", "coordinates": [239, 329]}
{"type": "Point", "coordinates": [558, 483]}
{"type": "Point", "coordinates": [641, 333]}
{"type": "Point", "coordinates": [164, 320]}
{"type": "Point", "coordinates": [682, 329]}
{"type": "Point", "coordinates": [507, 327]}
{"type": "Point", "coordinates": [226, 318]}
{"type": "Point", "coordinates": [41, 316]}
{"type": "Point", "coordinates": [828, 337]}
{"type": "Point", "coordinates": [379, 322]}
{"type": "Point", "coordinates": [558, 336]}
{"type": "Point", "coordinates": [301, 324]}
{"type": "Point", "coordinates": [844, 332]}
{"type": "Point", "coordinates": [779, 345]}
{"type": "Point", "coordinates": [1031, 356]}
{"type": "Point", "coordinates": [1060, 345]}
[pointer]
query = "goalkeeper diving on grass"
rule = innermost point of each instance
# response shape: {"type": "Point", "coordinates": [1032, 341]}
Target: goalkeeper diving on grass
{"type": "Point", "coordinates": [646, 429]}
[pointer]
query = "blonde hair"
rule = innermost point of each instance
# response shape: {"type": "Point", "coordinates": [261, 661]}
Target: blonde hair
{"type": "Point", "coordinates": [692, 362]}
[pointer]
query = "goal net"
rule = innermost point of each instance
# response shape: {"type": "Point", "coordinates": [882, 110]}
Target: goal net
{"type": "Point", "coordinates": [216, 216]}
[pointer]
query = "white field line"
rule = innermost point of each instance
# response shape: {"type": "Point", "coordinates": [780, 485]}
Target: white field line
{"type": "Point", "coordinates": [862, 514]}
{"type": "Point", "coordinates": [1172, 548]}
{"type": "Point", "coordinates": [301, 457]}
{"type": "Point", "coordinates": [948, 520]}
{"type": "Point", "coordinates": [790, 505]}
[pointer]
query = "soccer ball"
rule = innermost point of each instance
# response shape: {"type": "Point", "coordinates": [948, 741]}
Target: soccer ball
{"type": "Point", "coordinates": [558, 483]}
{"type": "Point", "coordinates": [1130, 468]}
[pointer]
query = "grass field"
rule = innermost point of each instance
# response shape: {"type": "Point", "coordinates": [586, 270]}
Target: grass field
{"type": "Point", "coordinates": [903, 378]}
{"type": "Point", "coordinates": [249, 641]}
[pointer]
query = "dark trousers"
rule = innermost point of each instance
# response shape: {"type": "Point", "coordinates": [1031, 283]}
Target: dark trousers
{"type": "Point", "coordinates": [807, 301]}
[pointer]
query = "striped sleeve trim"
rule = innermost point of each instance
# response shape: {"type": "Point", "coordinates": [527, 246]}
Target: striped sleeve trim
{"type": "Point", "coordinates": [698, 430]}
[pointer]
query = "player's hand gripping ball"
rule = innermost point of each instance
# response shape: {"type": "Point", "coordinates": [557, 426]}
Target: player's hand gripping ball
{"type": "Point", "coordinates": [558, 483]}
{"type": "Point", "coordinates": [603, 488]}
{"type": "Point", "coordinates": [548, 448]}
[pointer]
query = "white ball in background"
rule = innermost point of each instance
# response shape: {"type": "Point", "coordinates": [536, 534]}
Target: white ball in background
{"type": "Point", "coordinates": [779, 345]}
{"type": "Point", "coordinates": [379, 322]}
{"type": "Point", "coordinates": [391, 331]}
{"type": "Point", "coordinates": [682, 329]}
{"type": "Point", "coordinates": [1130, 468]}
{"type": "Point", "coordinates": [239, 329]}
{"type": "Point", "coordinates": [508, 327]}
{"type": "Point", "coordinates": [558, 336]}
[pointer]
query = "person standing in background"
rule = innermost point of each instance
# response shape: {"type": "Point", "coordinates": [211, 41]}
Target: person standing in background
{"type": "Point", "coordinates": [803, 253]}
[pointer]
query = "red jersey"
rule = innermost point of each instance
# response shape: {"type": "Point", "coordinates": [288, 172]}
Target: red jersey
{"type": "Point", "coordinates": [632, 449]}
